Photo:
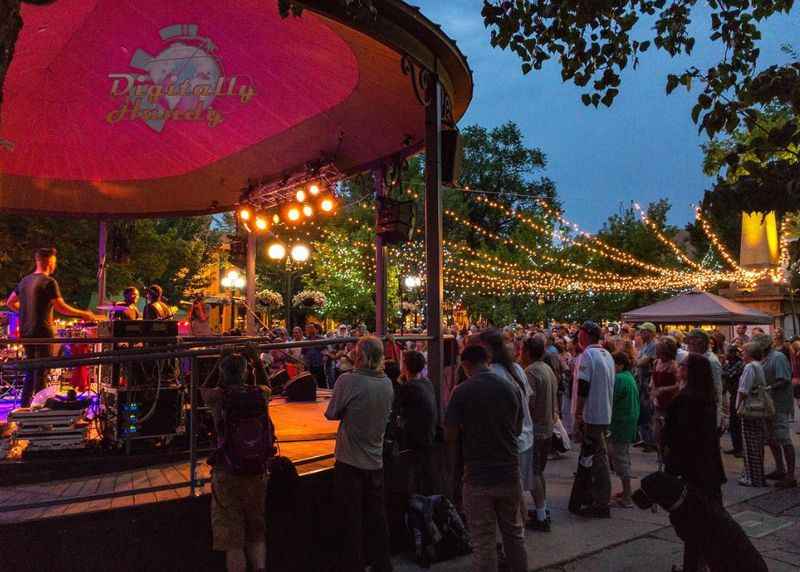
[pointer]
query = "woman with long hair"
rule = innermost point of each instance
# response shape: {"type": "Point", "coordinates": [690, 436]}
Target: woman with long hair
{"type": "Point", "coordinates": [690, 441]}
{"type": "Point", "coordinates": [663, 383]}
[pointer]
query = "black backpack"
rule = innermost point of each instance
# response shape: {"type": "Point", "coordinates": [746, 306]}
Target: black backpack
{"type": "Point", "coordinates": [437, 529]}
{"type": "Point", "coordinates": [248, 436]}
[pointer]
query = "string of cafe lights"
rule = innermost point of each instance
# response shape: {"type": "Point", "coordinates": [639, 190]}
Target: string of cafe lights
{"type": "Point", "coordinates": [664, 240]}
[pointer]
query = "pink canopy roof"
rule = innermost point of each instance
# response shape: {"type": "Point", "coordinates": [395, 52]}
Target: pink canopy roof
{"type": "Point", "coordinates": [152, 107]}
{"type": "Point", "coordinates": [698, 308]}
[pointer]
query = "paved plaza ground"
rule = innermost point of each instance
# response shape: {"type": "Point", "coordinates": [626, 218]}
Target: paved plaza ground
{"type": "Point", "coordinates": [635, 540]}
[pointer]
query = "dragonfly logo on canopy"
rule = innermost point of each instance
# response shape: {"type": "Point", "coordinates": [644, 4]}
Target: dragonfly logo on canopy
{"type": "Point", "coordinates": [181, 83]}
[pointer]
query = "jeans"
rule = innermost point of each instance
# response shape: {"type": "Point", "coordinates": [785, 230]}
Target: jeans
{"type": "Point", "coordinates": [362, 512]}
{"type": "Point", "coordinates": [490, 507]}
{"type": "Point", "coordinates": [594, 442]}
{"type": "Point", "coordinates": [35, 380]}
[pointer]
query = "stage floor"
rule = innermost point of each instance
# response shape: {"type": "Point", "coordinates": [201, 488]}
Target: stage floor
{"type": "Point", "coordinates": [303, 434]}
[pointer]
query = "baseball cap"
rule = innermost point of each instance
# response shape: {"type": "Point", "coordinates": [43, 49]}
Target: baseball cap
{"type": "Point", "coordinates": [649, 326]}
{"type": "Point", "coordinates": [591, 328]}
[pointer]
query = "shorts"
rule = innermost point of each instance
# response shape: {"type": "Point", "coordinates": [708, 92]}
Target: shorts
{"type": "Point", "coordinates": [237, 510]}
{"type": "Point", "coordinates": [620, 454]}
{"type": "Point", "coordinates": [780, 429]}
{"type": "Point", "coordinates": [526, 469]}
{"type": "Point", "coordinates": [541, 449]}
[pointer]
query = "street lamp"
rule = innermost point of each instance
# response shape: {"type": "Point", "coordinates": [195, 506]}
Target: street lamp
{"type": "Point", "coordinates": [299, 254]}
{"type": "Point", "coordinates": [233, 281]}
{"type": "Point", "coordinates": [411, 282]}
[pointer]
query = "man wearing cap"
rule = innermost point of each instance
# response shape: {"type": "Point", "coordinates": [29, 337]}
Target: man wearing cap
{"type": "Point", "coordinates": [644, 370]}
{"type": "Point", "coordinates": [593, 414]}
{"type": "Point", "coordinates": [698, 343]}
{"type": "Point", "coordinates": [778, 373]}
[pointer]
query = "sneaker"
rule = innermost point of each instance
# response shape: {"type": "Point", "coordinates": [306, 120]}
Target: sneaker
{"type": "Point", "coordinates": [775, 476]}
{"type": "Point", "coordinates": [621, 503]}
{"type": "Point", "coordinates": [538, 525]}
{"type": "Point", "coordinates": [595, 512]}
{"type": "Point", "coordinates": [787, 483]}
{"type": "Point", "coordinates": [745, 482]}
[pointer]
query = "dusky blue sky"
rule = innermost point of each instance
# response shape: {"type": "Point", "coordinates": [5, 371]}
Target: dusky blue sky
{"type": "Point", "coordinates": [645, 147]}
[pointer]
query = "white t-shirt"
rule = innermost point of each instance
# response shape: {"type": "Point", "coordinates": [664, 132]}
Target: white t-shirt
{"type": "Point", "coordinates": [525, 439]}
{"type": "Point", "coordinates": [752, 376]}
{"type": "Point", "coordinates": [596, 366]}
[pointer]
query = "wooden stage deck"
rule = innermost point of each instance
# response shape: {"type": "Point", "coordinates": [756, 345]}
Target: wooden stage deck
{"type": "Point", "coordinates": [303, 433]}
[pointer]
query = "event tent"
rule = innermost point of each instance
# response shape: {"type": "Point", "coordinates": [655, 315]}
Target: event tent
{"type": "Point", "coordinates": [698, 308]}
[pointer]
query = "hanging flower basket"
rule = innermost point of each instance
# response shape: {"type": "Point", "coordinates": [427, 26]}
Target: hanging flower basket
{"type": "Point", "coordinates": [309, 300]}
{"type": "Point", "coordinates": [270, 299]}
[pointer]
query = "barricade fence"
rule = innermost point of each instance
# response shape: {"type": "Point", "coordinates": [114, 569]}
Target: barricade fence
{"type": "Point", "coordinates": [177, 349]}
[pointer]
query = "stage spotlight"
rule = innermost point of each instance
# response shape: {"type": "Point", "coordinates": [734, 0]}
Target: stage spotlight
{"type": "Point", "coordinates": [293, 214]}
{"type": "Point", "coordinates": [307, 210]}
{"type": "Point", "coordinates": [326, 204]}
{"type": "Point", "coordinates": [313, 189]}
{"type": "Point", "coordinates": [276, 218]}
{"type": "Point", "coordinates": [300, 195]}
{"type": "Point", "coordinates": [245, 213]}
{"type": "Point", "coordinates": [261, 222]}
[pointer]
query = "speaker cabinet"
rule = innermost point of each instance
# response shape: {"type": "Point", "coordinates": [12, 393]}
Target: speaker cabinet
{"type": "Point", "coordinates": [302, 387]}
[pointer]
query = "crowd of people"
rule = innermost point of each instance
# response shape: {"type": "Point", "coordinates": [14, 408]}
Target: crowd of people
{"type": "Point", "coordinates": [672, 394]}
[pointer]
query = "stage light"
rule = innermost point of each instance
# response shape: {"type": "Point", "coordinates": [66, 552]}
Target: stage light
{"type": "Point", "coordinates": [244, 213]}
{"type": "Point", "coordinates": [313, 189]}
{"type": "Point", "coordinates": [276, 218]}
{"type": "Point", "coordinates": [307, 210]}
{"type": "Point", "coordinates": [261, 222]}
{"type": "Point", "coordinates": [276, 251]}
{"type": "Point", "coordinates": [300, 252]}
{"type": "Point", "coordinates": [326, 205]}
{"type": "Point", "coordinates": [300, 195]}
{"type": "Point", "coordinates": [293, 214]}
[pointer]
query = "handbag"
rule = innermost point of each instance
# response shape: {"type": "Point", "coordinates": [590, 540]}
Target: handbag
{"type": "Point", "coordinates": [758, 404]}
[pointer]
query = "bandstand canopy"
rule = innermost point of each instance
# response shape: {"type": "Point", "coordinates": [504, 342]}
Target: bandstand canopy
{"type": "Point", "coordinates": [697, 308]}
{"type": "Point", "coordinates": [166, 107]}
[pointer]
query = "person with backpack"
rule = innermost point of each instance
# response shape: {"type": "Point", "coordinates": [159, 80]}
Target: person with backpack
{"type": "Point", "coordinates": [361, 402]}
{"type": "Point", "coordinates": [245, 443]}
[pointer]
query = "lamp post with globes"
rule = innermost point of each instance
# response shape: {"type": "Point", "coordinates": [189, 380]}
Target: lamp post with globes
{"type": "Point", "coordinates": [233, 281]}
{"type": "Point", "coordinates": [411, 283]}
{"type": "Point", "coordinates": [297, 256]}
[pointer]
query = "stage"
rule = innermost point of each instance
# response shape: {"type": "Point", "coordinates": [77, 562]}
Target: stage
{"type": "Point", "coordinates": [304, 435]}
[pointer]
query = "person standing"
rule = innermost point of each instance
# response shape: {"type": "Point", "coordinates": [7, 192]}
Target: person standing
{"type": "Point", "coordinates": [778, 373]}
{"type": "Point", "coordinates": [198, 316]}
{"type": "Point", "coordinates": [544, 411]}
{"type": "Point", "coordinates": [313, 357]}
{"type": "Point", "coordinates": [731, 374]}
{"type": "Point", "coordinates": [362, 403]}
{"type": "Point", "coordinates": [664, 384]}
{"type": "Point", "coordinates": [624, 419]}
{"type": "Point", "coordinates": [690, 439]}
{"type": "Point", "coordinates": [156, 309]}
{"type": "Point", "coordinates": [699, 343]}
{"type": "Point", "coordinates": [483, 420]}
{"type": "Point", "coordinates": [128, 310]}
{"type": "Point", "coordinates": [36, 298]}
{"type": "Point", "coordinates": [645, 361]}
{"type": "Point", "coordinates": [596, 375]}
{"type": "Point", "coordinates": [503, 365]}
{"type": "Point", "coordinates": [754, 429]}
{"type": "Point", "coordinates": [238, 518]}
{"type": "Point", "coordinates": [416, 409]}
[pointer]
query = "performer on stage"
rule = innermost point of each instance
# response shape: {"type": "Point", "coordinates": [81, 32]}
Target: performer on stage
{"type": "Point", "coordinates": [128, 309]}
{"type": "Point", "coordinates": [156, 309]}
{"type": "Point", "coordinates": [35, 298]}
{"type": "Point", "coordinates": [198, 316]}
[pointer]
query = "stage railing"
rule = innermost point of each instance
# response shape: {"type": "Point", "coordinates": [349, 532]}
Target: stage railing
{"type": "Point", "coordinates": [169, 348]}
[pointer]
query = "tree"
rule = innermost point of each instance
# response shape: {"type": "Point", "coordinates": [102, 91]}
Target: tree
{"type": "Point", "coordinates": [595, 41]}
{"type": "Point", "coordinates": [168, 252]}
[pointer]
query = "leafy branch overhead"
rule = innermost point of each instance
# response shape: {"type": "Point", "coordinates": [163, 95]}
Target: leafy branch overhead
{"type": "Point", "coordinates": [595, 41]}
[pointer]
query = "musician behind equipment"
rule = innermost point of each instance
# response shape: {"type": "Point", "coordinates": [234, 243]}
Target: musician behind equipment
{"type": "Point", "coordinates": [156, 309]}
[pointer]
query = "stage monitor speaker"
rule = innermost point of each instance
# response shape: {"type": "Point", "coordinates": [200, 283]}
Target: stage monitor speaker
{"type": "Point", "coordinates": [278, 381]}
{"type": "Point", "coordinates": [302, 387]}
{"type": "Point", "coordinates": [452, 156]}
